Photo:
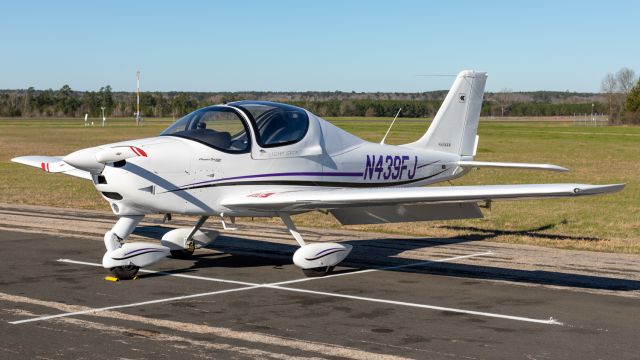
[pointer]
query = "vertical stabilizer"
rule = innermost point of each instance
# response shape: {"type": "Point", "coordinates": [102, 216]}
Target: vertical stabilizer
{"type": "Point", "coordinates": [454, 127]}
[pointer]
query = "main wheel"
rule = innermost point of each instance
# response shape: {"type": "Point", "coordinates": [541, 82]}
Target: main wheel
{"type": "Point", "coordinates": [319, 271]}
{"type": "Point", "coordinates": [125, 272]}
{"type": "Point", "coordinates": [182, 254]}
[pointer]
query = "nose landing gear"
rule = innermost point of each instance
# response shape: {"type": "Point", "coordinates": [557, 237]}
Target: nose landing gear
{"type": "Point", "coordinates": [124, 260]}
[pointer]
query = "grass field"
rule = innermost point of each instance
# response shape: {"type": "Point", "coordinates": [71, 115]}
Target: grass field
{"type": "Point", "coordinates": [595, 155]}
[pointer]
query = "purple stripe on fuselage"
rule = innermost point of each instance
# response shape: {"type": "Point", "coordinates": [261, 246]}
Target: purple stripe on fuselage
{"type": "Point", "coordinates": [278, 175]}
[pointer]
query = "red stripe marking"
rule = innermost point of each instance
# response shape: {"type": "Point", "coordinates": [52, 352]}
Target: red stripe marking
{"type": "Point", "coordinates": [134, 150]}
{"type": "Point", "coordinates": [43, 166]}
{"type": "Point", "coordinates": [48, 167]}
{"type": "Point", "coordinates": [142, 153]}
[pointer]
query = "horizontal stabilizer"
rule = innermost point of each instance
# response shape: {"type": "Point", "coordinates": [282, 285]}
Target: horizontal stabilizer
{"type": "Point", "coordinates": [53, 164]}
{"type": "Point", "coordinates": [528, 166]}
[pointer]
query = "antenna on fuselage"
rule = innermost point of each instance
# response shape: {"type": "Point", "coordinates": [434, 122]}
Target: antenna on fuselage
{"type": "Point", "coordinates": [390, 126]}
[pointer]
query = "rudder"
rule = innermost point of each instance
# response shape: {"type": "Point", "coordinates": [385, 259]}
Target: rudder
{"type": "Point", "coordinates": [455, 126]}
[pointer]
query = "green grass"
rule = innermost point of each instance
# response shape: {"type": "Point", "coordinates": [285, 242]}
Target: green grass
{"type": "Point", "coordinates": [595, 155]}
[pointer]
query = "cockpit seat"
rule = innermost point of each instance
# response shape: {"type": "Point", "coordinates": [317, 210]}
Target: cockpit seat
{"type": "Point", "coordinates": [215, 138]}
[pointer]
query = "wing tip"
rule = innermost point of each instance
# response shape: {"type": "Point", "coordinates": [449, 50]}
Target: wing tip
{"type": "Point", "coordinates": [512, 165]}
{"type": "Point", "coordinates": [599, 189]}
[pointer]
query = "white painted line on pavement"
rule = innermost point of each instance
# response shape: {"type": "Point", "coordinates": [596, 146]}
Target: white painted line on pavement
{"type": "Point", "coordinates": [167, 273]}
{"type": "Point", "coordinates": [550, 321]}
{"type": "Point", "coordinates": [107, 308]}
{"type": "Point", "coordinates": [384, 268]}
{"type": "Point", "coordinates": [277, 286]}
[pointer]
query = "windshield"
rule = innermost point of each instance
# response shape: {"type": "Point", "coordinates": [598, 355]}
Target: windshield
{"type": "Point", "coordinates": [276, 124]}
{"type": "Point", "coordinates": [216, 126]}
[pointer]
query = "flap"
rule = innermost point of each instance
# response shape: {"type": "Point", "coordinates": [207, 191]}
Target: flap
{"type": "Point", "coordinates": [406, 213]}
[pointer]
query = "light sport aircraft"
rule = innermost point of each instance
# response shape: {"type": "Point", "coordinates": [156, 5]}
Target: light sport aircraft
{"type": "Point", "coordinates": [265, 159]}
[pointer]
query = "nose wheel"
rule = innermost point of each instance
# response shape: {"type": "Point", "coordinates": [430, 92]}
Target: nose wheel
{"type": "Point", "coordinates": [127, 272]}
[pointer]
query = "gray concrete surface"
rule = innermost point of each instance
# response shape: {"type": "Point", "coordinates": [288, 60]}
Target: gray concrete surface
{"type": "Point", "coordinates": [484, 301]}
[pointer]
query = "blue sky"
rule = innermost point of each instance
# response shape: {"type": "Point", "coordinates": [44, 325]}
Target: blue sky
{"type": "Point", "coordinates": [346, 45]}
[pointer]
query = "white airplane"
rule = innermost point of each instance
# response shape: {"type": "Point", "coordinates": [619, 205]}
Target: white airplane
{"type": "Point", "coordinates": [266, 159]}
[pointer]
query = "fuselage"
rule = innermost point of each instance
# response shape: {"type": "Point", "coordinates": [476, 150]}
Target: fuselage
{"type": "Point", "coordinates": [187, 176]}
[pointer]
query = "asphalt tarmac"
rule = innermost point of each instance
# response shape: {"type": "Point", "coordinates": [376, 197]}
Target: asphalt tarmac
{"type": "Point", "coordinates": [243, 298]}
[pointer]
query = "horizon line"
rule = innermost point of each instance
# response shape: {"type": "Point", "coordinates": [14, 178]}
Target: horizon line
{"type": "Point", "coordinates": [303, 91]}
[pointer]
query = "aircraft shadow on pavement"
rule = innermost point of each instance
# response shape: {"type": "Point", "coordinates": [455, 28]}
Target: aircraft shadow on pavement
{"type": "Point", "coordinates": [378, 253]}
{"type": "Point", "coordinates": [486, 234]}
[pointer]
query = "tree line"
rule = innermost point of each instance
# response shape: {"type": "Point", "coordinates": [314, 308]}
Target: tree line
{"type": "Point", "coordinates": [67, 102]}
{"type": "Point", "coordinates": [417, 109]}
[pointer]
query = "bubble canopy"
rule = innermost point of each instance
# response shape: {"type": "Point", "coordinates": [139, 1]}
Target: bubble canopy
{"type": "Point", "coordinates": [223, 128]}
{"type": "Point", "coordinates": [220, 127]}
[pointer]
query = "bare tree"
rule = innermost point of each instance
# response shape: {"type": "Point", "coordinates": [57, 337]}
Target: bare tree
{"type": "Point", "coordinates": [609, 86]}
{"type": "Point", "coordinates": [626, 78]}
{"type": "Point", "coordinates": [504, 99]}
{"type": "Point", "coordinates": [617, 87]}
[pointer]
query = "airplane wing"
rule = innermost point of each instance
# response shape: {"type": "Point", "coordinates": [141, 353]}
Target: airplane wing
{"type": "Point", "coordinates": [336, 198]}
{"type": "Point", "coordinates": [53, 164]}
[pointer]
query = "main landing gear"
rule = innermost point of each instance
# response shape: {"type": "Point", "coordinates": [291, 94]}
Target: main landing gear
{"type": "Point", "coordinates": [184, 241]}
{"type": "Point", "coordinates": [316, 259]}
